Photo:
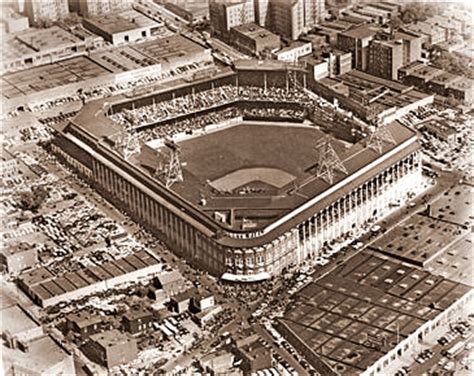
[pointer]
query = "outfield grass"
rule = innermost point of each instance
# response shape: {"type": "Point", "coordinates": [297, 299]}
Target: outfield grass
{"type": "Point", "coordinates": [287, 148]}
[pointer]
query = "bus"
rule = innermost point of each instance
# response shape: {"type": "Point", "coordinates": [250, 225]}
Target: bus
{"type": "Point", "coordinates": [456, 349]}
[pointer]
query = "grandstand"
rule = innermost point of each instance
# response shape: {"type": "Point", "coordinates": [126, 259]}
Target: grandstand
{"type": "Point", "coordinates": [232, 173]}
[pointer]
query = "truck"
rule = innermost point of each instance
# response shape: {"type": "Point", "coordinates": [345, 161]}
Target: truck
{"type": "Point", "coordinates": [456, 349]}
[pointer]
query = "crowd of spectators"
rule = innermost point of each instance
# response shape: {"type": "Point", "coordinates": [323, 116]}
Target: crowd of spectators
{"type": "Point", "coordinates": [174, 108]}
{"type": "Point", "coordinates": [191, 124]}
{"type": "Point", "coordinates": [170, 109]}
{"type": "Point", "coordinates": [273, 94]}
{"type": "Point", "coordinates": [274, 112]}
{"type": "Point", "coordinates": [187, 125]}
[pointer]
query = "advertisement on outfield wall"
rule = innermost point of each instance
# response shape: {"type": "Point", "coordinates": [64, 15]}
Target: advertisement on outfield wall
{"type": "Point", "coordinates": [136, 74]}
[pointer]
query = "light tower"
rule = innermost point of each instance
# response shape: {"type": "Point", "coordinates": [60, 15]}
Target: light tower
{"type": "Point", "coordinates": [170, 169]}
{"type": "Point", "coordinates": [378, 137]}
{"type": "Point", "coordinates": [128, 143]}
{"type": "Point", "coordinates": [328, 161]}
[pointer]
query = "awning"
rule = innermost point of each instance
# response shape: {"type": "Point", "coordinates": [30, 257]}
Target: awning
{"type": "Point", "coordinates": [245, 277]}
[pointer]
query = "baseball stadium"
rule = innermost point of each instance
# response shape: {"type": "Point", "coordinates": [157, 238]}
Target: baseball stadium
{"type": "Point", "coordinates": [244, 171]}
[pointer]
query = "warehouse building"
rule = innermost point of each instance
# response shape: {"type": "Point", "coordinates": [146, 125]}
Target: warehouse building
{"type": "Point", "coordinates": [368, 313]}
{"type": "Point", "coordinates": [46, 288]}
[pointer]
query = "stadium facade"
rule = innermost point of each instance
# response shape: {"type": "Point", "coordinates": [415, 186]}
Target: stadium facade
{"type": "Point", "coordinates": [373, 183]}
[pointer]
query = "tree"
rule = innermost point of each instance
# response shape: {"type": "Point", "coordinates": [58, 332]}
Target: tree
{"type": "Point", "coordinates": [44, 23]}
{"type": "Point", "coordinates": [452, 101]}
{"type": "Point", "coordinates": [451, 63]}
{"type": "Point", "coordinates": [32, 200]}
{"type": "Point", "coordinates": [395, 23]}
{"type": "Point", "coordinates": [415, 12]}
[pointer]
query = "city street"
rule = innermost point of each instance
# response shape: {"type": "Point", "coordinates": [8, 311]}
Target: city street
{"type": "Point", "coordinates": [432, 365]}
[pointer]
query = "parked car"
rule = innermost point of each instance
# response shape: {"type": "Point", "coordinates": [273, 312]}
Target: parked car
{"type": "Point", "coordinates": [357, 245]}
{"type": "Point", "coordinates": [448, 366]}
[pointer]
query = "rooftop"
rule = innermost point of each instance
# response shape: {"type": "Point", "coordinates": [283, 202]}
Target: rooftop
{"type": "Point", "coordinates": [48, 76]}
{"type": "Point", "coordinates": [358, 15]}
{"type": "Point", "coordinates": [202, 294]}
{"type": "Point", "coordinates": [171, 277]}
{"type": "Point", "coordinates": [255, 350]}
{"type": "Point", "coordinates": [114, 23]}
{"type": "Point", "coordinates": [361, 32]}
{"type": "Point", "coordinates": [455, 206]}
{"type": "Point", "coordinates": [418, 239]}
{"type": "Point", "coordinates": [83, 319]}
{"type": "Point", "coordinates": [135, 314]}
{"type": "Point", "coordinates": [17, 247]}
{"type": "Point", "coordinates": [442, 125]}
{"type": "Point", "coordinates": [393, 43]}
{"type": "Point", "coordinates": [292, 46]}
{"type": "Point", "coordinates": [168, 48]}
{"type": "Point", "coordinates": [464, 83]}
{"type": "Point", "coordinates": [446, 78]}
{"type": "Point", "coordinates": [386, 5]}
{"type": "Point", "coordinates": [367, 81]}
{"type": "Point", "coordinates": [8, 13]}
{"type": "Point", "coordinates": [184, 295]}
{"type": "Point", "coordinates": [456, 262]}
{"type": "Point", "coordinates": [425, 71]}
{"type": "Point", "coordinates": [255, 32]}
{"type": "Point", "coordinates": [443, 21]}
{"type": "Point", "coordinates": [406, 35]}
{"type": "Point", "coordinates": [43, 354]}
{"type": "Point", "coordinates": [352, 19]}
{"type": "Point", "coordinates": [14, 48]}
{"type": "Point", "coordinates": [15, 320]}
{"type": "Point", "coordinates": [336, 25]}
{"type": "Point", "coordinates": [425, 28]}
{"type": "Point", "coordinates": [312, 60]}
{"type": "Point", "coordinates": [111, 338]}
{"type": "Point", "coordinates": [230, 3]}
{"type": "Point", "coordinates": [82, 33]}
{"type": "Point", "coordinates": [44, 40]}
{"type": "Point", "coordinates": [46, 284]}
{"type": "Point", "coordinates": [121, 59]}
{"type": "Point", "coordinates": [360, 311]}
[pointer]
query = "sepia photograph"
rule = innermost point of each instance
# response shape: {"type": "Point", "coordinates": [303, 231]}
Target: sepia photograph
{"type": "Point", "coordinates": [237, 187]}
